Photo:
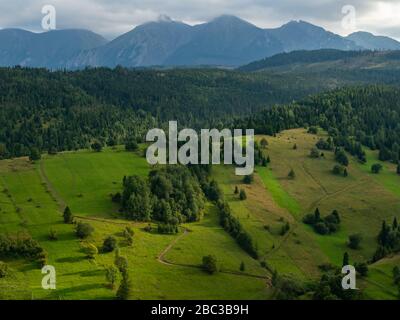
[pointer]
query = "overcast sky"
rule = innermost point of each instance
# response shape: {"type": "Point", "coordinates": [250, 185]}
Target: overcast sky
{"type": "Point", "coordinates": [111, 18]}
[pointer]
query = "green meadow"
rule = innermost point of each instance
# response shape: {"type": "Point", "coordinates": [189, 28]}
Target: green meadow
{"type": "Point", "coordinates": [33, 196]}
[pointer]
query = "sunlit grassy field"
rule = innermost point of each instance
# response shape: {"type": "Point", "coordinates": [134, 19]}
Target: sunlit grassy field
{"type": "Point", "coordinates": [33, 197]}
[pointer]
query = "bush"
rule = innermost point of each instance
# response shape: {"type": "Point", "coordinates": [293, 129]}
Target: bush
{"type": "Point", "coordinates": [242, 195]}
{"type": "Point", "coordinates": [84, 230]}
{"type": "Point", "coordinates": [361, 268]}
{"type": "Point", "coordinates": [167, 228]}
{"type": "Point", "coordinates": [248, 179]}
{"type": "Point", "coordinates": [112, 273]}
{"type": "Point", "coordinates": [314, 153]}
{"type": "Point", "coordinates": [109, 244]}
{"type": "Point", "coordinates": [53, 235]}
{"type": "Point", "coordinates": [354, 241]}
{"type": "Point", "coordinates": [131, 145]}
{"type": "Point", "coordinates": [3, 269]}
{"type": "Point", "coordinates": [210, 264]}
{"type": "Point", "coordinates": [313, 130]}
{"type": "Point", "coordinates": [321, 228]}
{"type": "Point", "coordinates": [376, 168]}
{"type": "Point", "coordinates": [90, 250]}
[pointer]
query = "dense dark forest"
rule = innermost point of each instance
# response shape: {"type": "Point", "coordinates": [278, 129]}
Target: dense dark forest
{"type": "Point", "coordinates": [353, 116]}
{"type": "Point", "coordinates": [42, 111]}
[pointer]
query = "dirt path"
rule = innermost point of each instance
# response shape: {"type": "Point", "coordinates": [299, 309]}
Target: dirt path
{"type": "Point", "coordinates": [53, 192]}
{"type": "Point", "coordinates": [162, 260]}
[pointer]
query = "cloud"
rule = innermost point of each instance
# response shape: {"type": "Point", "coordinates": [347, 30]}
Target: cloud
{"type": "Point", "coordinates": [112, 18]}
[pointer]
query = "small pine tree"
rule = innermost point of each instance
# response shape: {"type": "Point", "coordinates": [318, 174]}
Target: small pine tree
{"type": "Point", "coordinates": [268, 159]}
{"type": "Point", "coordinates": [395, 224]}
{"type": "Point", "coordinates": [345, 259]}
{"type": "Point", "coordinates": [292, 174]}
{"type": "Point", "coordinates": [345, 173]}
{"type": "Point", "coordinates": [68, 217]}
{"type": "Point", "coordinates": [317, 215]}
{"type": "Point", "coordinates": [398, 169]}
{"type": "Point", "coordinates": [242, 267]}
{"type": "Point", "coordinates": [236, 190]}
{"type": "Point", "coordinates": [242, 195]}
{"type": "Point", "coordinates": [295, 147]}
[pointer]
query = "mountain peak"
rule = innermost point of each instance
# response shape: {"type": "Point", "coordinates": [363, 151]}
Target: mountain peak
{"type": "Point", "coordinates": [229, 19]}
{"type": "Point", "coordinates": [164, 18]}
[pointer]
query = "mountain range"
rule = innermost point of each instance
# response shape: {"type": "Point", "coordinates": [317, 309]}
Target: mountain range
{"type": "Point", "coordinates": [226, 41]}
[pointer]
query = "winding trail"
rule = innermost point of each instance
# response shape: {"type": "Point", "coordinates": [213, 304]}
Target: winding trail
{"type": "Point", "coordinates": [161, 257]}
{"type": "Point", "coordinates": [53, 192]}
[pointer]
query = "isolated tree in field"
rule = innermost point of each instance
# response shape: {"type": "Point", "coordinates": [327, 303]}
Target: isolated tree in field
{"type": "Point", "coordinates": [68, 217]}
{"type": "Point", "coordinates": [354, 241]}
{"type": "Point", "coordinates": [124, 289]}
{"type": "Point", "coordinates": [314, 153]}
{"type": "Point", "coordinates": [90, 250]}
{"type": "Point", "coordinates": [292, 174]}
{"type": "Point", "coordinates": [345, 173]}
{"type": "Point", "coordinates": [242, 267]}
{"type": "Point", "coordinates": [109, 244]}
{"type": "Point", "coordinates": [345, 259]}
{"type": "Point", "coordinates": [242, 195]}
{"type": "Point", "coordinates": [112, 275]}
{"type": "Point", "coordinates": [295, 147]}
{"type": "Point", "coordinates": [236, 190]}
{"type": "Point", "coordinates": [35, 154]}
{"type": "Point", "coordinates": [210, 264]}
{"type": "Point", "coordinates": [53, 235]}
{"type": "Point", "coordinates": [248, 179]}
{"type": "Point", "coordinates": [376, 168]}
{"type": "Point", "coordinates": [264, 143]}
{"type": "Point", "coordinates": [84, 230]}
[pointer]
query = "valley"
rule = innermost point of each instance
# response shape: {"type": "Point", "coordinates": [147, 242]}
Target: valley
{"type": "Point", "coordinates": [34, 195]}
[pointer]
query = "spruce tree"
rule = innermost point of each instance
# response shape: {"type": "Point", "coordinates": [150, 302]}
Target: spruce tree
{"type": "Point", "coordinates": [345, 259]}
{"type": "Point", "coordinates": [68, 218]}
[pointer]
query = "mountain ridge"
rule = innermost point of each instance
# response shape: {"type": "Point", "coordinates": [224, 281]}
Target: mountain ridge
{"type": "Point", "coordinates": [226, 41]}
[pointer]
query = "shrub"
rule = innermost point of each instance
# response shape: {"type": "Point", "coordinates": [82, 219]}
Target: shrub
{"type": "Point", "coordinates": [53, 235]}
{"type": "Point", "coordinates": [90, 250]}
{"type": "Point", "coordinates": [354, 241]}
{"type": "Point", "coordinates": [84, 230]}
{"type": "Point", "coordinates": [131, 145]}
{"type": "Point", "coordinates": [112, 275]}
{"type": "Point", "coordinates": [361, 268]}
{"type": "Point", "coordinates": [3, 269]}
{"type": "Point", "coordinates": [376, 168]}
{"type": "Point", "coordinates": [167, 228]}
{"type": "Point", "coordinates": [321, 228]}
{"type": "Point", "coordinates": [210, 264]}
{"type": "Point", "coordinates": [314, 153]}
{"type": "Point", "coordinates": [248, 179]}
{"type": "Point", "coordinates": [242, 195]}
{"type": "Point", "coordinates": [109, 244]}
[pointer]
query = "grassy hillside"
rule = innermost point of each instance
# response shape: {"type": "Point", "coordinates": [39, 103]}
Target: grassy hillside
{"type": "Point", "coordinates": [160, 266]}
{"type": "Point", "coordinates": [167, 266]}
{"type": "Point", "coordinates": [362, 199]}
